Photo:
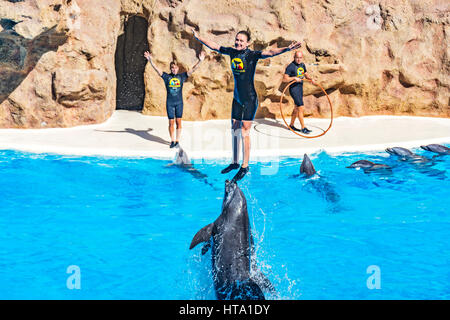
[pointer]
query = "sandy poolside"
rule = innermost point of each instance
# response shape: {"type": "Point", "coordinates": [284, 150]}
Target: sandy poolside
{"type": "Point", "coordinates": [132, 134]}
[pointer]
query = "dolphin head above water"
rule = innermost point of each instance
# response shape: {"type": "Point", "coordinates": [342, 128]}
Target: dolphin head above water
{"type": "Point", "coordinates": [181, 158]}
{"type": "Point", "coordinates": [231, 191]}
{"type": "Point", "coordinates": [362, 164]}
{"type": "Point", "coordinates": [307, 166]}
{"type": "Point", "coordinates": [399, 151]}
{"type": "Point", "coordinates": [436, 148]}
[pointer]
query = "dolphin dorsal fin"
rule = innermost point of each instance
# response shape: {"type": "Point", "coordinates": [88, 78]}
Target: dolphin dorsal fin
{"type": "Point", "coordinates": [203, 235]}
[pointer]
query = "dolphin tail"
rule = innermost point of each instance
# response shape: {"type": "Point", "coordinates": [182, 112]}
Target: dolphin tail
{"type": "Point", "coordinates": [203, 235]}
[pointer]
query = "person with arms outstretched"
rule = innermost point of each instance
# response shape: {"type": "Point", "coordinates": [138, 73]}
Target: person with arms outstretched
{"type": "Point", "coordinates": [245, 99]}
{"type": "Point", "coordinates": [174, 87]}
{"type": "Point", "coordinates": [296, 71]}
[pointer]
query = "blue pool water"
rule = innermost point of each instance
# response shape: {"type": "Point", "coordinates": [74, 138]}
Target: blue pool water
{"type": "Point", "coordinates": [127, 225]}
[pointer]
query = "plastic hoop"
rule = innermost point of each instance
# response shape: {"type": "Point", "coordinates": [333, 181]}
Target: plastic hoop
{"type": "Point", "coordinates": [329, 101]}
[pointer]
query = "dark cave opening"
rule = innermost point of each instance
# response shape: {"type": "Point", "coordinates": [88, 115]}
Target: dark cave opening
{"type": "Point", "coordinates": [130, 64]}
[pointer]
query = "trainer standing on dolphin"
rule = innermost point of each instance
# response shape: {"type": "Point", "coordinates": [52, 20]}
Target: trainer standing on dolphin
{"type": "Point", "coordinates": [245, 99]}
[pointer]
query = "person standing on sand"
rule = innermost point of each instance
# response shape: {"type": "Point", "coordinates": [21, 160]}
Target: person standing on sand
{"type": "Point", "coordinates": [296, 71]}
{"type": "Point", "coordinates": [174, 87]}
{"type": "Point", "coordinates": [245, 100]}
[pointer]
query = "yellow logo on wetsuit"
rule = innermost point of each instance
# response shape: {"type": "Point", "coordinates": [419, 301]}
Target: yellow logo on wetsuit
{"type": "Point", "coordinates": [237, 65]}
{"type": "Point", "coordinates": [174, 83]}
{"type": "Point", "coordinates": [301, 72]}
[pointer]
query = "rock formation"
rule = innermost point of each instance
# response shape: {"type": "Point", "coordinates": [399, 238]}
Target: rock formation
{"type": "Point", "coordinates": [59, 58]}
{"type": "Point", "coordinates": [57, 62]}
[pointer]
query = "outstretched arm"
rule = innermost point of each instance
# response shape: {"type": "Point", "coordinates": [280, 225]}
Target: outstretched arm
{"type": "Point", "coordinates": [274, 52]}
{"type": "Point", "coordinates": [210, 44]}
{"type": "Point", "coordinates": [201, 57]}
{"type": "Point", "coordinates": [149, 58]}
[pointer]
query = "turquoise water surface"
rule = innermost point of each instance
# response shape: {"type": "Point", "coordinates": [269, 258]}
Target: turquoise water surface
{"type": "Point", "coordinates": [126, 225]}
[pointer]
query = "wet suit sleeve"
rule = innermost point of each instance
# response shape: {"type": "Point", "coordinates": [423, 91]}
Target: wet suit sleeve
{"type": "Point", "coordinates": [226, 50]}
{"type": "Point", "coordinates": [256, 55]}
{"type": "Point", "coordinates": [288, 70]}
{"type": "Point", "coordinates": [165, 77]}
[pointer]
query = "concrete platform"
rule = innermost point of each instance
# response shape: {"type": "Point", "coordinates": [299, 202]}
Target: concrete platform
{"type": "Point", "coordinates": [132, 134]}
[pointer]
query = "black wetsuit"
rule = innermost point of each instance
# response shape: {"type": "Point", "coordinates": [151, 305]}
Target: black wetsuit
{"type": "Point", "coordinates": [174, 87]}
{"type": "Point", "coordinates": [243, 65]}
{"type": "Point", "coordinates": [296, 89]}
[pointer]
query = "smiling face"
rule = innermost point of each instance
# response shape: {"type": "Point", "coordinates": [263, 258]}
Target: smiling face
{"type": "Point", "coordinates": [241, 41]}
{"type": "Point", "coordinates": [173, 68]}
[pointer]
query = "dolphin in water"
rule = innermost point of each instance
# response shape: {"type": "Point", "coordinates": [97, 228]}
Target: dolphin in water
{"type": "Point", "coordinates": [406, 154]}
{"type": "Point", "coordinates": [307, 167]}
{"type": "Point", "coordinates": [368, 166]}
{"type": "Point", "coordinates": [182, 161]}
{"type": "Point", "coordinates": [321, 185]}
{"type": "Point", "coordinates": [232, 243]}
{"type": "Point", "coordinates": [423, 164]}
{"type": "Point", "coordinates": [437, 148]}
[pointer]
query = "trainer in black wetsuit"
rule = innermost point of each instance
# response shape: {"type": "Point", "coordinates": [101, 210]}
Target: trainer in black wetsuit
{"type": "Point", "coordinates": [174, 87]}
{"type": "Point", "coordinates": [296, 70]}
{"type": "Point", "coordinates": [296, 89]}
{"type": "Point", "coordinates": [243, 66]}
{"type": "Point", "coordinates": [245, 102]}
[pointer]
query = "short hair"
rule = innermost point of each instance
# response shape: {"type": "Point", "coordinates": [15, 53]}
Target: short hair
{"type": "Point", "coordinates": [172, 63]}
{"type": "Point", "coordinates": [246, 33]}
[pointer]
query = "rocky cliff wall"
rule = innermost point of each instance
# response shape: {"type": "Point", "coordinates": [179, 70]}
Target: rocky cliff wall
{"type": "Point", "coordinates": [372, 57]}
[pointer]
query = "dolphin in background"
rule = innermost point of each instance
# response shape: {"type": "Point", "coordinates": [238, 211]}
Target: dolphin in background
{"type": "Point", "coordinates": [321, 185]}
{"type": "Point", "coordinates": [232, 244]}
{"type": "Point", "coordinates": [182, 161]}
{"type": "Point", "coordinates": [406, 154]}
{"type": "Point", "coordinates": [422, 164]}
{"type": "Point", "coordinates": [307, 167]}
{"type": "Point", "coordinates": [369, 166]}
{"type": "Point", "coordinates": [437, 148]}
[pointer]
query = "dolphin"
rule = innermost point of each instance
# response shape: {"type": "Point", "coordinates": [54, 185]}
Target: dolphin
{"type": "Point", "coordinates": [307, 167]}
{"type": "Point", "coordinates": [401, 152]}
{"type": "Point", "coordinates": [321, 185]}
{"type": "Point", "coordinates": [405, 154]}
{"type": "Point", "coordinates": [437, 148]}
{"type": "Point", "coordinates": [182, 161]}
{"type": "Point", "coordinates": [423, 164]}
{"type": "Point", "coordinates": [368, 166]}
{"type": "Point", "coordinates": [232, 243]}
{"type": "Point", "coordinates": [181, 158]}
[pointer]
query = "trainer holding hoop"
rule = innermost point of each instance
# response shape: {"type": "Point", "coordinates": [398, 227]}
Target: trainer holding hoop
{"type": "Point", "coordinates": [296, 71]}
{"type": "Point", "coordinates": [245, 100]}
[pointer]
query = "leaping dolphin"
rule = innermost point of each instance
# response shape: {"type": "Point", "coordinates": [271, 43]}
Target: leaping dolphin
{"type": "Point", "coordinates": [232, 242]}
{"type": "Point", "coordinates": [437, 148]}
